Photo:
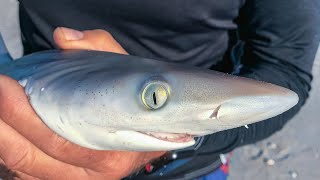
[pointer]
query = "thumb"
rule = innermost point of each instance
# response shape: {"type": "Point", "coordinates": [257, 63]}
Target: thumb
{"type": "Point", "coordinates": [98, 40]}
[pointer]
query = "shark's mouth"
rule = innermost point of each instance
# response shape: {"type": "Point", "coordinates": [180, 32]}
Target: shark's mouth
{"type": "Point", "coordinates": [171, 137]}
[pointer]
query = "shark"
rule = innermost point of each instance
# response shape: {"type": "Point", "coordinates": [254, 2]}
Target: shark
{"type": "Point", "coordinates": [108, 101]}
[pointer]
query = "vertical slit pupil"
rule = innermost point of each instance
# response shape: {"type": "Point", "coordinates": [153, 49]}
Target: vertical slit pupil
{"type": "Point", "coordinates": [154, 98]}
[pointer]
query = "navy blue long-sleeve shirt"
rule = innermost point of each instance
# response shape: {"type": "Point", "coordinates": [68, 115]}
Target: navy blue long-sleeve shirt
{"type": "Point", "coordinates": [278, 39]}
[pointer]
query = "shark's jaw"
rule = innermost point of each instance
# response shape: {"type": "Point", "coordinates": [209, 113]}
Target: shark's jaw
{"type": "Point", "coordinates": [171, 137]}
{"type": "Point", "coordinates": [157, 141]}
{"type": "Point", "coordinates": [149, 141]}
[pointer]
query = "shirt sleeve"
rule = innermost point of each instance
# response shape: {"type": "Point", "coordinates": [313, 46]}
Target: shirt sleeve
{"type": "Point", "coordinates": [281, 39]}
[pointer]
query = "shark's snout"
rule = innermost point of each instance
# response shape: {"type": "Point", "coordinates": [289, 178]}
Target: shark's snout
{"type": "Point", "coordinates": [242, 110]}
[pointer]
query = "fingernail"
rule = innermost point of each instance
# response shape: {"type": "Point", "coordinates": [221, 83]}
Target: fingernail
{"type": "Point", "coordinates": [71, 34]}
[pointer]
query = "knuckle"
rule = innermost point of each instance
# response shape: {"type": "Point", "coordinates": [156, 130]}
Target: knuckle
{"type": "Point", "coordinates": [21, 158]}
{"type": "Point", "coordinates": [58, 145]}
{"type": "Point", "coordinates": [103, 35]}
{"type": "Point", "coordinates": [103, 32]}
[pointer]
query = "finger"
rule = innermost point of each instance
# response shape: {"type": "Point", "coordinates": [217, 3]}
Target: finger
{"type": "Point", "coordinates": [20, 155]}
{"type": "Point", "coordinates": [14, 109]}
{"type": "Point", "coordinates": [7, 174]}
{"type": "Point", "coordinates": [24, 176]}
{"type": "Point", "coordinates": [98, 40]}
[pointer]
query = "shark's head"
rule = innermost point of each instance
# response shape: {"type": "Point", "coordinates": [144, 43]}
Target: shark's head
{"type": "Point", "coordinates": [129, 103]}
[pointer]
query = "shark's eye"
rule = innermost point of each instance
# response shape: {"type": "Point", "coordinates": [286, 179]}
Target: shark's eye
{"type": "Point", "coordinates": [154, 95]}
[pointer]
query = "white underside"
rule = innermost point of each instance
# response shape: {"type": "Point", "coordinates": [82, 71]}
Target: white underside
{"type": "Point", "coordinates": [128, 141]}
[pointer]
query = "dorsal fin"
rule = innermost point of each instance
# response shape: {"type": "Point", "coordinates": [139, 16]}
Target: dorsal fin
{"type": "Point", "coordinates": [4, 54]}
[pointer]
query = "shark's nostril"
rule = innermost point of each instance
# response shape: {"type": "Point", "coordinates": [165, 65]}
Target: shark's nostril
{"type": "Point", "coordinates": [215, 113]}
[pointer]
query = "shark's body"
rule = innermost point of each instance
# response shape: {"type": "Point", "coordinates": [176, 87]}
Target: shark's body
{"type": "Point", "coordinates": [102, 101]}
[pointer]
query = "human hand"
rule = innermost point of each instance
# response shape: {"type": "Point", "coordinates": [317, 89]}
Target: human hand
{"type": "Point", "coordinates": [98, 40]}
{"type": "Point", "coordinates": [32, 151]}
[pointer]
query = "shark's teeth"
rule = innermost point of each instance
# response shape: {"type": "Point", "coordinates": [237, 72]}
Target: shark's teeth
{"type": "Point", "coordinates": [171, 137]}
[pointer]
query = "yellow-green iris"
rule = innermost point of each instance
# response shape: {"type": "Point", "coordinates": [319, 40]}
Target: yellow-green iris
{"type": "Point", "coordinates": [154, 95]}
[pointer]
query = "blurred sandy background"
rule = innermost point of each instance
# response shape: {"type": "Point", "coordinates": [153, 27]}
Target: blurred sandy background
{"type": "Point", "coordinates": [293, 153]}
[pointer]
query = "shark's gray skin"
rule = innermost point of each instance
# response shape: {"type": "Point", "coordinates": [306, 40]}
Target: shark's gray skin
{"type": "Point", "coordinates": [108, 101]}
